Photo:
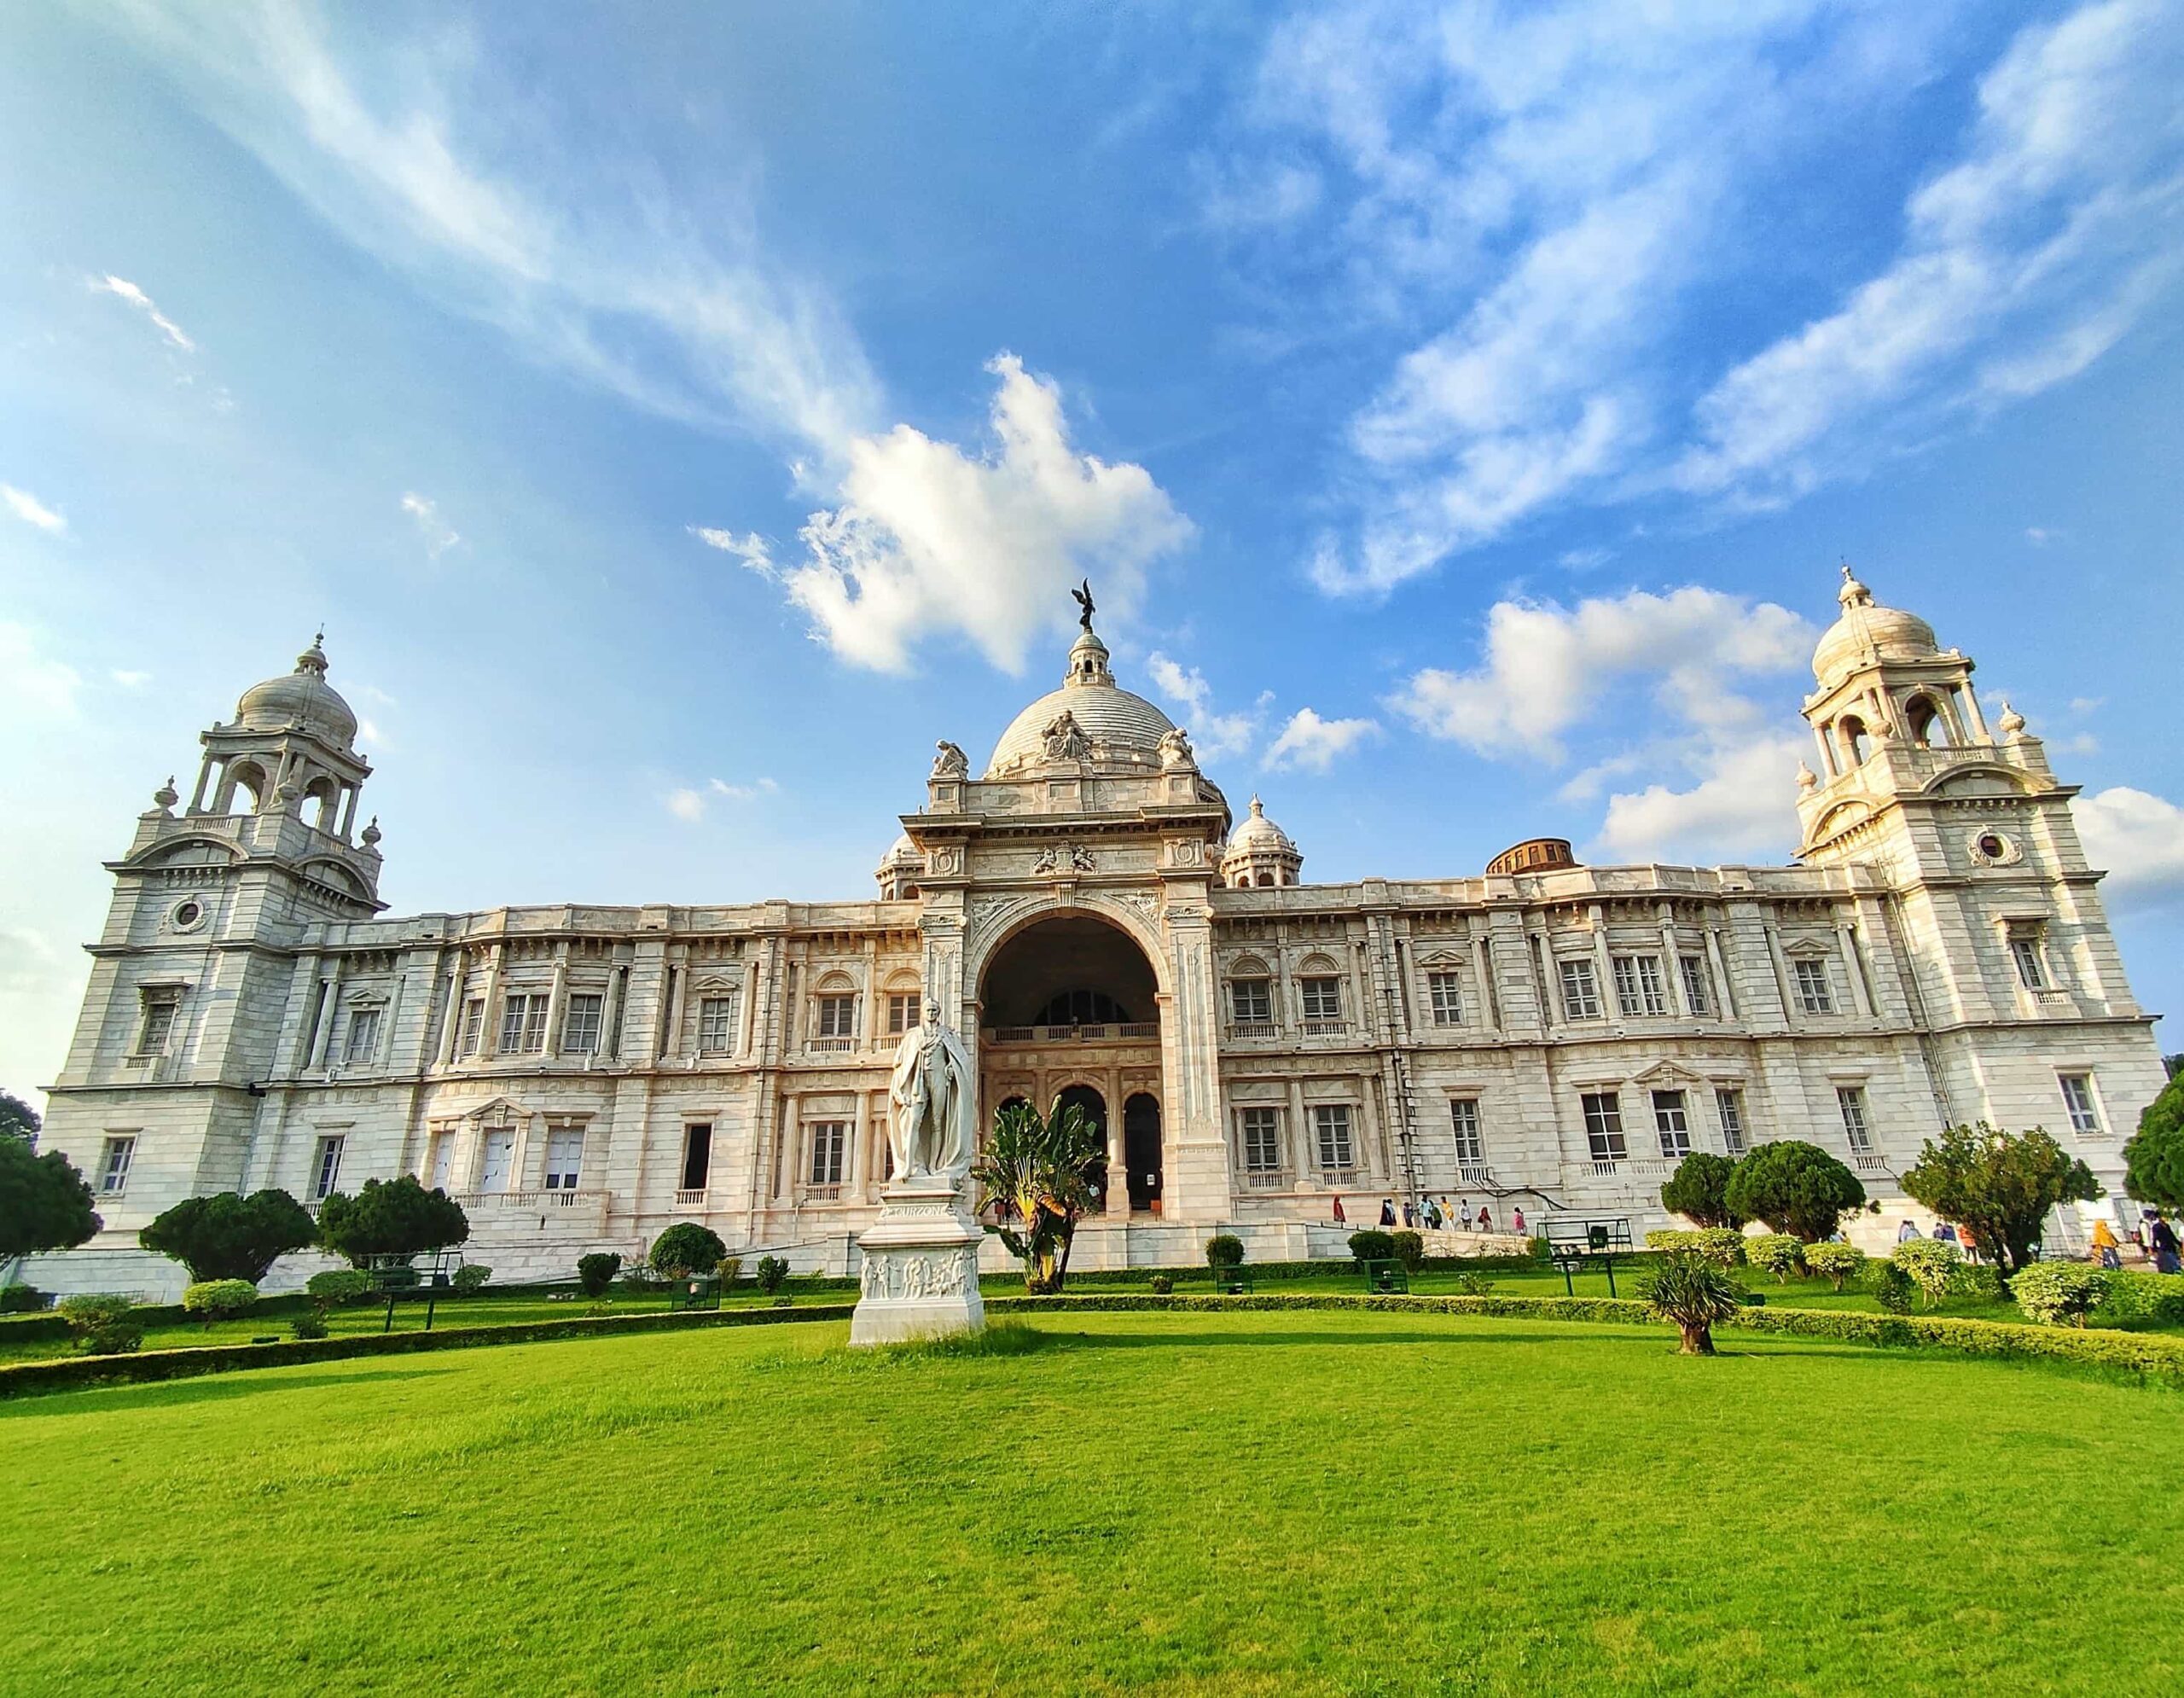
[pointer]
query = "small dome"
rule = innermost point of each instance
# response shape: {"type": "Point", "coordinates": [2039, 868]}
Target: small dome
{"type": "Point", "coordinates": [1868, 630]}
{"type": "Point", "coordinates": [1259, 833]}
{"type": "Point", "coordinates": [302, 699]}
{"type": "Point", "coordinates": [1115, 727]}
{"type": "Point", "coordinates": [903, 853]}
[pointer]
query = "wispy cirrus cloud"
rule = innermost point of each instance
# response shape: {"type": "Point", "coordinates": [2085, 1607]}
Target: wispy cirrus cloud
{"type": "Point", "coordinates": [31, 511]}
{"type": "Point", "coordinates": [438, 535]}
{"type": "Point", "coordinates": [123, 289]}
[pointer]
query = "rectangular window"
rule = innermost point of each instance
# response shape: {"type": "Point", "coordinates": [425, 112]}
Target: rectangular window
{"type": "Point", "coordinates": [1604, 1125]}
{"type": "Point", "coordinates": [113, 1166]}
{"type": "Point", "coordinates": [1695, 994]}
{"type": "Point", "coordinates": [1729, 1106]}
{"type": "Point", "coordinates": [440, 1165]}
{"type": "Point", "coordinates": [564, 1158]}
{"type": "Point", "coordinates": [2077, 1097]}
{"type": "Point", "coordinates": [160, 1008]}
{"type": "Point", "coordinates": [326, 1171]}
{"type": "Point", "coordinates": [1444, 991]}
{"type": "Point", "coordinates": [1331, 1122]}
{"type": "Point", "coordinates": [523, 1025]}
{"type": "Point", "coordinates": [1463, 1117]}
{"type": "Point", "coordinates": [1322, 998]}
{"type": "Point", "coordinates": [1638, 985]}
{"type": "Point", "coordinates": [1814, 996]}
{"type": "Point", "coordinates": [2024, 950]}
{"type": "Point", "coordinates": [838, 1016]}
{"type": "Point", "coordinates": [1250, 1001]}
{"type": "Point", "coordinates": [697, 1156]}
{"type": "Point", "coordinates": [829, 1138]}
{"type": "Point", "coordinates": [1581, 996]}
{"type": "Point", "coordinates": [1851, 1098]}
{"type": "Point", "coordinates": [1262, 1129]}
{"type": "Point", "coordinates": [716, 1024]}
{"type": "Point", "coordinates": [902, 1012]}
{"type": "Point", "coordinates": [364, 1035]}
{"type": "Point", "coordinates": [493, 1170]}
{"type": "Point", "coordinates": [1672, 1120]}
{"type": "Point", "coordinates": [580, 1025]}
{"type": "Point", "coordinates": [474, 1026]}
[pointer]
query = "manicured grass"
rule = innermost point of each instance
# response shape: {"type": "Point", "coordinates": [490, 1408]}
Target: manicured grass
{"type": "Point", "coordinates": [1312, 1502]}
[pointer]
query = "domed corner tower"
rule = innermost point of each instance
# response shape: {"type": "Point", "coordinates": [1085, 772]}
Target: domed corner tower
{"type": "Point", "coordinates": [1959, 841]}
{"type": "Point", "coordinates": [197, 973]}
{"type": "Point", "coordinates": [1261, 855]}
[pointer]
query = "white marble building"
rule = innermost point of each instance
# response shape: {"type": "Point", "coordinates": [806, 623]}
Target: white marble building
{"type": "Point", "coordinates": [1089, 915]}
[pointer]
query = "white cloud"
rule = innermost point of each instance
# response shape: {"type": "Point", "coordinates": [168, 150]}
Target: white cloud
{"type": "Point", "coordinates": [125, 290]}
{"type": "Point", "coordinates": [2039, 536]}
{"type": "Point", "coordinates": [930, 540]}
{"type": "Point", "coordinates": [1744, 803]}
{"type": "Point", "coordinates": [1315, 744]}
{"type": "Point", "coordinates": [36, 681]}
{"type": "Point", "coordinates": [1584, 560]}
{"type": "Point", "coordinates": [1213, 734]}
{"type": "Point", "coordinates": [439, 536]}
{"type": "Point", "coordinates": [2138, 839]}
{"type": "Point", "coordinates": [129, 680]}
{"type": "Point", "coordinates": [742, 793]}
{"type": "Point", "coordinates": [1547, 667]}
{"type": "Point", "coordinates": [751, 549]}
{"type": "Point", "coordinates": [30, 511]}
{"type": "Point", "coordinates": [685, 805]}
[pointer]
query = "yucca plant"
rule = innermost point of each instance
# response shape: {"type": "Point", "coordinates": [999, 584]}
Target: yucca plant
{"type": "Point", "coordinates": [1694, 1294]}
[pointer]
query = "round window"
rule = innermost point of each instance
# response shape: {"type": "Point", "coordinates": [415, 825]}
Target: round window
{"type": "Point", "coordinates": [188, 913]}
{"type": "Point", "coordinates": [1992, 846]}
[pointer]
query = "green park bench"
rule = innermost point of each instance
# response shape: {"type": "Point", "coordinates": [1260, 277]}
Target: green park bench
{"type": "Point", "coordinates": [1385, 1278]}
{"type": "Point", "coordinates": [1233, 1281]}
{"type": "Point", "coordinates": [694, 1291]}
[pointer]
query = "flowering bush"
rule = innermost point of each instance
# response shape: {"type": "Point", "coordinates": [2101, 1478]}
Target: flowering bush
{"type": "Point", "coordinates": [1780, 1252]}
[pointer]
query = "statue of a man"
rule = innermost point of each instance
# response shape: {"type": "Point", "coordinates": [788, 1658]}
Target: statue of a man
{"type": "Point", "coordinates": [931, 1102]}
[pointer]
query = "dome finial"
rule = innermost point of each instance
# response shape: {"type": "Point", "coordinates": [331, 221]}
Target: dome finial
{"type": "Point", "coordinates": [1258, 811]}
{"type": "Point", "coordinates": [1853, 594]}
{"type": "Point", "coordinates": [313, 659]}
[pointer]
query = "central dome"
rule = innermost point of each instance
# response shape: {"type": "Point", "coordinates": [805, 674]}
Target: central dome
{"type": "Point", "coordinates": [1117, 727]}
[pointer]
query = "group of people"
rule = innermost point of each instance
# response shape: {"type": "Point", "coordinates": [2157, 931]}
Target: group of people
{"type": "Point", "coordinates": [2156, 1241]}
{"type": "Point", "coordinates": [1438, 1214]}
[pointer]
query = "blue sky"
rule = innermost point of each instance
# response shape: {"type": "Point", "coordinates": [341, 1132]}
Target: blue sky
{"type": "Point", "coordinates": [1461, 412]}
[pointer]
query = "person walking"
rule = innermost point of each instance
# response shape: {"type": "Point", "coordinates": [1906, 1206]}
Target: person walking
{"type": "Point", "coordinates": [1908, 1231]}
{"type": "Point", "coordinates": [1387, 1211]}
{"type": "Point", "coordinates": [2105, 1250]}
{"type": "Point", "coordinates": [1485, 1218]}
{"type": "Point", "coordinates": [2161, 1239]}
{"type": "Point", "coordinates": [1340, 1218]}
{"type": "Point", "coordinates": [1516, 1223]}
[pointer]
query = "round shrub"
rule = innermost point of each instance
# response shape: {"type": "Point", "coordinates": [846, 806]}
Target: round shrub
{"type": "Point", "coordinates": [1224, 1250]}
{"type": "Point", "coordinates": [1410, 1249]}
{"type": "Point", "coordinates": [1699, 1191]}
{"type": "Point", "coordinates": [1722, 1246]}
{"type": "Point", "coordinates": [219, 1300]}
{"type": "Point", "coordinates": [228, 1236]}
{"type": "Point", "coordinates": [309, 1324]}
{"type": "Point", "coordinates": [1163, 1286]}
{"type": "Point", "coordinates": [1932, 1265]}
{"type": "Point", "coordinates": [1838, 1263]}
{"type": "Point", "coordinates": [101, 1324]}
{"type": "Point", "coordinates": [469, 1277]}
{"type": "Point", "coordinates": [1671, 1238]}
{"type": "Point", "coordinates": [596, 1271]}
{"type": "Point", "coordinates": [1795, 1188]}
{"type": "Point", "coordinates": [397, 1217]}
{"type": "Point", "coordinates": [687, 1247]}
{"type": "Point", "coordinates": [1893, 1288]}
{"type": "Point", "coordinates": [2052, 1293]}
{"type": "Point", "coordinates": [1373, 1245]}
{"type": "Point", "coordinates": [1781, 1253]}
{"type": "Point", "coordinates": [338, 1286]}
{"type": "Point", "coordinates": [22, 1300]}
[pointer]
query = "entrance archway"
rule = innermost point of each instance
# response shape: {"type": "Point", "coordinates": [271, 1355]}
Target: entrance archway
{"type": "Point", "coordinates": [1069, 972]}
{"type": "Point", "coordinates": [1142, 1150]}
{"type": "Point", "coordinates": [1095, 1109]}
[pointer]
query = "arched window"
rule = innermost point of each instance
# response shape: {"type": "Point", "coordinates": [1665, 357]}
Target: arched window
{"type": "Point", "coordinates": [1855, 740]}
{"type": "Point", "coordinates": [1081, 1007]}
{"type": "Point", "coordinates": [243, 788]}
{"type": "Point", "coordinates": [1923, 719]}
{"type": "Point", "coordinates": [328, 813]}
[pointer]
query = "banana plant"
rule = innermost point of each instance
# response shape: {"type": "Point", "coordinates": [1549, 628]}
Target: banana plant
{"type": "Point", "coordinates": [1034, 1170]}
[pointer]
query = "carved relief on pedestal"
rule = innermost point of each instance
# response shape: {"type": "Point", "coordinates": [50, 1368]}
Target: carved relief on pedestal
{"type": "Point", "coordinates": [916, 1276]}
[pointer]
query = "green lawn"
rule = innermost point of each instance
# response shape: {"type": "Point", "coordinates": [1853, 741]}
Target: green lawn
{"type": "Point", "coordinates": [1308, 1503]}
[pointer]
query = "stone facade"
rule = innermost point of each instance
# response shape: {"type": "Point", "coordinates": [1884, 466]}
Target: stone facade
{"type": "Point", "coordinates": [1546, 1036]}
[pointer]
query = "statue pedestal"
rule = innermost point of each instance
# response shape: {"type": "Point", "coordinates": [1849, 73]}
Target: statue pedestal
{"type": "Point", "coordinates": [920, 1274]}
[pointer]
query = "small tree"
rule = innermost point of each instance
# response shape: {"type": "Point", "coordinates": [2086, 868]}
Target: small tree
{"type": "Point", "coordinates": [596, 1271]}
{"type": "Point", "coordinates": [2050, 1292]}
{"type": "Point", "coordinates": [44, 1204]}
{"type": "Point", "coordinates": [225, 1236]}
{"type": "Point", "coordinates": [771, 1273]}
{"type": "Point", "coordinates": [1780, 1252]}
{"type": "Point", "coordinates": [1224, 1250]}
{"type": "Point", "coordinates": [1931, 1264]}
{"type": "Point", "coordinates": [1410, 1248]}
{"type": "Point", "coordinates": [1694, 1293]}
{"type": "Point", "coordinates": [2002, 1185]}
{"type": "Point", "coordinates": [1723, 1245]}
{"type": "Point", "coordinates": [2153, 1161]}
{"type": "Point", "coordinates": [18, 1119]}
{"type": "Point", "coordinates": [1035, 1171]}
{"type": "Point", "coordinates": [219, 1300]}
{"type": "Point", "coordinates": [1372, 1244]}
{"type": "Point", "coordinates": [1699, 1191]}
{"type": "Point", "coordinates": [391, 1217]}
{"type": "Point", "coordinates": [470, 1279]}
{"type": "Point", "coordinates": [1893, 1288]}
{"type": "Point", "coordinates": [687, 1247]}
{"type": "Point", "coordinates": [1838, 1263]}
{"type": "Point", "coordinates": [103, 1324]}
{"type": "Point", "coordinates": [337, 1287]}
{"type": "Point", "coordinates": [1795, 1188]}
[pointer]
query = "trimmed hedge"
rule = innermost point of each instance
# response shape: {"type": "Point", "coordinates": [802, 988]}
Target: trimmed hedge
{"type": "Point", "coordinates": [72, 1373]}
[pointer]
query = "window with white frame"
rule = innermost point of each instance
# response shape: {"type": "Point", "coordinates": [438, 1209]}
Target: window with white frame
{"type": "Point", "coordinates": [1672, 1120]}
{"type": "Point", "coordinates": [697, 1155]}
{"type": "Point", "coordinates": [716, 1024]}
{"type": "Point", "coordinates": [363, 1042]}
{"type": "Point", "coordinates": [564, 1157]}
{"type": "Point", "coordinates": [580, 1025]}
{"type": "Point", "coordinates": [1814, 994]}
{"type": "Point", "coordinates": [1261, 1136]}
{"type": "Point", "coordinates": [902, 1012]}
{"type": "Point", "coordinates": [439, 1161]}
{"type": "Point", "coordinates": [2026, 954]}
{"type": "Point", "coordinates": [1698, 996]}
{"type": "Point", "coordinates": [830, 1141]}
{"type": "Point", "coordinates": [1444, 994]}
{"type": "Point", "coordinates": [474, 1026]}
{"type": "Point", "coordinates": [523, 1024]}
{"type": "Point", "coordinates": [1638, 985]}
{"type": "Point", "coordinates": [157, 1026]}
{"type": "Point", "coordinates": [837, 1015]}
{"type": "Point", "coordinates": [113, 1164]}
{"type": "Point", "coordinates": [1581, 994]}
{"type": "Point", "coordinates": [1729, 1107]}
{"type": "Point", "coordinates": [2077, 1097]}
{"type": "Point", "coordinates": [1463, 1121]}
{"type": "Point", "coordinates": [1321, 997]}
{"type": "Point", "coordinates": [1604, 1124]}
{"type": "Point", "coordinates": [1331, 1125]}
{"type": "Point", "coordinates": [1852, 1099]}
{"type": "Point", "coordinates": [326, 1167]}
{"type": "Point", "coordinates": [1250, 1001]}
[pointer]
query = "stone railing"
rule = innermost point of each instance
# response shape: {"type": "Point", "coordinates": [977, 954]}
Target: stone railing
{"type": "Point", "coordinates": [1123, 1032]}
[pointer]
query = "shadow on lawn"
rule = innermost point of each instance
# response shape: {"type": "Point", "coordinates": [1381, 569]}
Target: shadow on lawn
{"type": "Point", "coordinates": [197, 1389]}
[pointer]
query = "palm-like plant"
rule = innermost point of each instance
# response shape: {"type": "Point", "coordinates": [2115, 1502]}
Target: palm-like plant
{"type": "Point", "coordinates": [1694, 1294]}
{"type": "Point", "coordinates": [1035, 1171]}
